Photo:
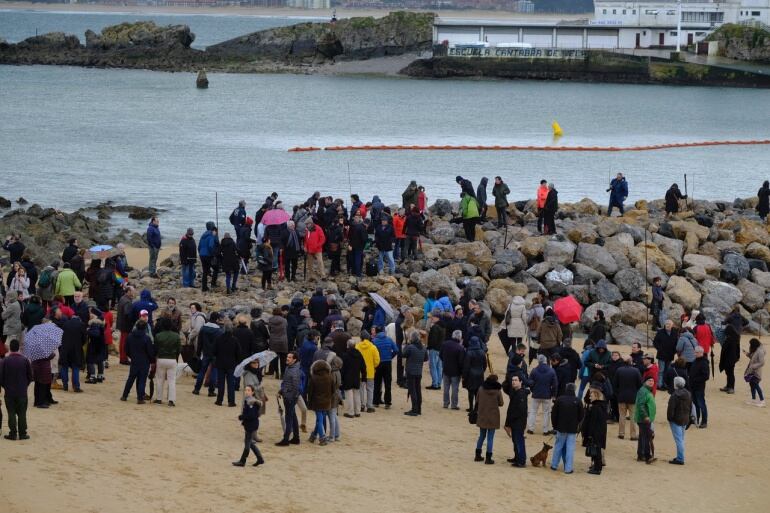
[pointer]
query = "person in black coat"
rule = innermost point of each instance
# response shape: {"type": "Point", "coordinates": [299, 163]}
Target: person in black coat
{"type": "Point", "coordinates": [226, 358]}
{"type": "Point", "coordinates": [318, 306]}
{"type": "Point", "coordinates": [665, 345]}
{"type": "Point", "coordinates": [260, 331]}
{"type": "Point", "coordinates": [563, 373]}
{"type": "Point", "coordinates": [626, 383]}
{"type": "Point", "coordinates": [230, 261]}
{"type": "Point", "coordinates": [141, 351]}
{"type": "Point", "coordinates": [249, 418]}
{"type": "Point", "coordinates": [673, 195]}
{"type": "Point", "coordinates": [188, 256]}
{"type": "Point", "coordinates": [352, 373]}
{"type": "Point", "coordinates": [699, 374]}
{"type": "Point", "coordinates": [292, 249]}
{"type": "Point", "coordinates": [70, 251]}
{"type": "Point", "coordinates": [566, 415]}
{"type": "Point", "coordinates": [71, 351]}
{"type": "Point", "coordinates": [550, 209]}
{"type": "Point", "coordinates": [594, 430]}
{"type": "Point", "coordinates": [729, 356]}
{"type": "Point", "coordinates": [678, 369]}
{"type": "Point", "coordinates": [572, 356]}
{"type": "Point", "coordinates": [763, 205]}
{"type": "Point", "coordinates": [516, 419]}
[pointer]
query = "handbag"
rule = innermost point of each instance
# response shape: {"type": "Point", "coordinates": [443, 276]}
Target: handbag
{"type": "Point", "coordinates": [473, 416]}
{"type": "Point", "coordinates": [751, 378]}
{"type": "Point", "coordinates": [593, 450]}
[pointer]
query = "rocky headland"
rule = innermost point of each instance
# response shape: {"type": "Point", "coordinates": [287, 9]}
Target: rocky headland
{"type": "Point", "coordinates": [710, 258]}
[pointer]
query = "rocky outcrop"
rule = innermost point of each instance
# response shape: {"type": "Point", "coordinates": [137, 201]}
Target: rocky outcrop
{"type": "Point", "coordinates": [742, 42]}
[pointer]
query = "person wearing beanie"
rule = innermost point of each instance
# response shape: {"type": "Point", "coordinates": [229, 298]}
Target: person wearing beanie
{"type": "Point", "coordinates": [644, 416]}
{"type": "Point", "coordinates": [566, 416]}
{"type": "Point", "coordinates": [489, 401]}
{"type": "Point", "coordinates": [544, 386]}
{"type": "Point", "coordinates": [594, 431]}
{"type": "Point", "coordinates": [678, 415]}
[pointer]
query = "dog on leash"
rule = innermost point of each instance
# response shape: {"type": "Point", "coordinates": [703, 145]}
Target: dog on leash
{"type": "Point", "coordinates": [541, 457]}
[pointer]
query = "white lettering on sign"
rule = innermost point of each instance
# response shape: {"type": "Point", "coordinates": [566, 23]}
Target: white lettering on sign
{"type": "Point", "coordinates": [516, 53]}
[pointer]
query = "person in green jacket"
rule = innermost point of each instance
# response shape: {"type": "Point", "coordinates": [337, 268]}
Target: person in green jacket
{"type": "Point", "coordinates": [501, 191]}
{"type": "Point", "coordinates": [469, 208]}
{"type": "Point", "coordinates": [644, 416]}
{"type": "Point", "coordinates": [167, 348]}
{"type": "Point", "coordinates": [67, 283]}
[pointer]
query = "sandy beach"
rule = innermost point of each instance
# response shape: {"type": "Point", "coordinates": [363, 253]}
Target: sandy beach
{"type": "Point", "coordinates": [94, 453]}
{"type": "Point", "coordinates": [272, 11]}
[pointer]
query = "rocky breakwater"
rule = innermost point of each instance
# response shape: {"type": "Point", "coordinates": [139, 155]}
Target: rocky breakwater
{"type": "Point", "coordinates": [710, 259]}
{"type": "Point", "coordinates": [743, 42]}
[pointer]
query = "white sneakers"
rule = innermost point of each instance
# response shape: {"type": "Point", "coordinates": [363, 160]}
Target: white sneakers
{"type": "Point", "coordinates": [758, 404]}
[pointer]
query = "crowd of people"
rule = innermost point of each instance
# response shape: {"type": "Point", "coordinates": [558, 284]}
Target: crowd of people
{"type": "Point", "coordinates": [322, 368]}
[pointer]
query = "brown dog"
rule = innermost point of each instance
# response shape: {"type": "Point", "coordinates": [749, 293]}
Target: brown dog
{"type": "Point", "coordinates": [541, 457]}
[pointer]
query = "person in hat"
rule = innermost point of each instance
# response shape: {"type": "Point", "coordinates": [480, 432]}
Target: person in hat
{"type": "Point", "coordinates": [644, 416]}
{"type": "Point", "coordinates": [673, 195]}
{"type": "Point", "coordinates": [678, 415]}
{"type": "Point", "coordinates": [594, 431]}
{"type": "Point", "coordinates": [489, 401]}
{"type": "Point", "coordinates": [598, 359]}
{"type": "Point", "coordinates": [650, 370]}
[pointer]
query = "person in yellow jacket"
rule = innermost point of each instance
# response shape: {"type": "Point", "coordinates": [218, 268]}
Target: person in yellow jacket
{"type": "Point", "coordinates": [372, 359]}
{"type": "Point", "coordinates": [67, 283]}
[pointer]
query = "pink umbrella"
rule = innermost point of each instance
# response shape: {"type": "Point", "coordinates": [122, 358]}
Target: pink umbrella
{"type": "Point", "coordinates": [567, 309]}
{"type": "Point", "coordinates": [275, 216]}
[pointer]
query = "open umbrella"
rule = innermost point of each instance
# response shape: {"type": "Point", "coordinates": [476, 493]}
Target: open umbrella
{"type": "Point", "coordinates": [100, 248]}
{"type": "Point", "coordinates": [42, 341]}
{"type": "Point", "coordinates": [383, 303]}
{"type": "Point", "coordinates": [567, 309]}
{"type": "Point", "coordinates": [264, 357]}
{"type": "Point", "coordinates": [275, 216]}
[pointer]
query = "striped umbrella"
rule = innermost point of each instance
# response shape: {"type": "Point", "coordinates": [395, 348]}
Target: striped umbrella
{"type": "Point", "coordinates": [42, 341]}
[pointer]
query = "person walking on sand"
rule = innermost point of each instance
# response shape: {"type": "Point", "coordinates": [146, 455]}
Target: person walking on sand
{"type": "Point", "coordinates": [729, 356]}
{"type": "Point", "coordinates": [644, 416]}
{"type": "Point", "coordinates": [566, 416]}
{"type": "Point", "coordinates": [594, 432]}
{"type": "Point", "coordinates": [153, 245]}
{"type": "Point", "coordinates": [141, 351]}
{"type": "Point", "coordinates": [501, 191]}
{"type": "Point", "coordinates": [489, 401]}
{"type": "Point", "coordinates": [618, 193]}
{"type": "Point", "coordinates": [516, 419]}
{"type": "Point", "coordinates": [249, 418]}
{"type": "Point", "coordinates": [678, 415]}
{"type": "Point", "coordinates": [699, 374]}
{"type": "Point", "coordinates": [320, 393]}
{"type": "Point", "coordinates": [15, 377]}
{"type": "Point", "coordinates": [753, 373]}
{"type": "Point", "coordinates": [289, 392]}
{"type": "Point", "coordinates": [372, 359]}
{"type": "Point", "coordinates": [543, 385]}
{"type": "Point", "coordinates": [415, 356]}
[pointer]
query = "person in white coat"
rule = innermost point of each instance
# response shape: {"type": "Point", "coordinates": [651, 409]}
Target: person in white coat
{"type": "Point", "coordinates": [515, 322]}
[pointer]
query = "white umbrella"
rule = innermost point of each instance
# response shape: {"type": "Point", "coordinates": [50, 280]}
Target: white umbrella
{"type": "Point", "coordinates": [264, 357]}
{"type": "Point", "coordinates": [383, 303]}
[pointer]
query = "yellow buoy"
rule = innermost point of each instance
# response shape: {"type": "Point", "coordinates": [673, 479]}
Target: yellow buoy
{"type": "Point", "coordinates": [557, 132]}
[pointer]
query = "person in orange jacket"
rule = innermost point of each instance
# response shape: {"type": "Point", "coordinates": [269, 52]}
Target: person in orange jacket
{"type": "Point", "coordinates": [399, 221]}
{"type": "Point", "coordinates": [314, 244]}
{"type": "Point", "coordinates": [542, 194]}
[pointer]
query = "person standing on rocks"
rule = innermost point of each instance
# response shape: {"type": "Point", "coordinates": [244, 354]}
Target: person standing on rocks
{"type": "Point", "coordinates": [188, 255]}
{"type": "Point", "coordinates": [465, 186]}
{"type": "Point", "coordinates": [208, 250]}
{"type": "Point", "coordinates": [409, 196]}
{"type": "Point", "coordinates": [501, 191]}
{"type": "Point", "coordinates": [549, 210]}
{"type": "Point", "coordinates": [763, 203]}
{"type": "Point", "coordinates": [469, 209]}
{"type": "Point", "coordinates": [230, 262]}
{"type": "Point", "coordinates": [542, 195]}
{"type": "Point", "coordinates": [384, 237]}
{"type": "Point", "coordinates": [618, 193]}
{"type": "Point", "coordinates": [153, 245]}
{"type": "Point", "coordinates": [314, 244]}
{"type": "Point", "coordinates": [673, 195]}
{"type": "Point", "coordinates": [70, 251]}
{"type": "Point", "coordinates": [238, 217]}
{"type": "Point", "coordinates": [656, 306]}
{"type": "Point", "coordinates": [481, 197]}
{"type": "Point", "coordinates": [15, 247]}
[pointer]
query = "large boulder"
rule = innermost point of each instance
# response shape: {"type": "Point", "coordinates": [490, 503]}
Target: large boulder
{"type": "Point", "coordinates": [500, 271]}
{"type": "Point", "coordinates": [604, 291]}
{"type": "Point", "coordinates": [442, 233]}
{"type": "Point", "coordinates": [651, 252]}
{"type": "Point", "coordinates": [631, 284]}
{"type": "Point", "coordinates": [626, 335]}
{"type": "Point", "coordinates": [735, 267]}
{"type": "Point", "coordinates": [633, 313]}
{"type": "Point", "coordinates": [682, 228]}
{"type": "Point", "coordinates": [720, 296]}
{"type": "Point", "coordinates": [751, 231]}
{"type": "Point", "coordinates": [143, 34]}
{"type": "Point", "coordinates": [498, 300]}
{"type": "Point", "coordinates": [557, 281]}
{"type": "Point", "coordinates": [580, 293]}
{"type": "Point", "coordinates": [709, 264]}
{"type": "Point", "coordinates": [533, 247]}
{"type": "Point", "coordinates": [539, 269]}
{"type": "Point", "coordinates": [476, 253]}
{"type": "Point", "coordinates": [511, 287]}
{"type": "Point", "coordinates": [559, 252]}
{"type": "Point", "coordinates": [585, 275]}
{"type": "Point", "coordinates": [761, 278]}
{"type": "Point", "coordinates": [759, 251]}
{"type": "Point", "coordinates": [671, 247]}
{"type": "Point", "coordinates": [611, 314]}
{"type": "Point", "coordinates": [433, 280]}
{"type": "Point", "coordinates": [681, 291]}
{"type": "Point", "coordinates": [753, 295]}
{"type": "Point", "coordinates": [477, 287]}
{"type": "Point", "coordinates": [597, 258]}
{"type": "Point", "coordinates": [512, 257]}
{"type": "Point", "coordinates": [441, 208]}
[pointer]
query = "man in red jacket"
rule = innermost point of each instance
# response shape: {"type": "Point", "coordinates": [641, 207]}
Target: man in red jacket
{"type": "Point", "coordinates": [542, 194]}
{"type": "Point", "coordinates": [314, 245]}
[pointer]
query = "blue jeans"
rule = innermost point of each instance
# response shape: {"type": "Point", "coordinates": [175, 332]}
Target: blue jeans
{"type": "Point", "coordinates": [276, 257]}
{"type": "Point", "coordinates": [563, 449]}
{"type": "Point", "coordinates": [188, 275]}
{"type": "Point", "coordinates": [397, 248]}
{"type": "Point", "coordinates": [334, 423]}
{"type": "Point", "coordinates": [64, 372]}
{"type": "Point", "coordinates": [234, 277]}
{"type": "Point", "coordinates": [292, 424]}
{"type": "Point", "coordinates": [678, 432]}
{"type": "Point", "coordinates": [489, 434]}
{"type": "Point", "coordinates": [391, 262]}
{"type": "Point", "coordinates": [225, 377]}
{"type": "Point", "coordinates": [205, 362]}
{"type": "Point", "coordinates": [584, 380]}
{"type": "Point", "coordinates": [357, 261]}
{"type": "Point", "coordinates": [139, 375]}
{"type": "Point", "coordinates": [519, 447]}
{"type": "Point", "coordinates": [436, 368]}
{"type": "Point", "coordinates": [453, 383]}
{"type": "Point", "coordinates": [662, 366]}
{"type": "Point", "coordinates": [320, 419]}
{"type": "Point", "coordinates": [699, 401]}
{"type": "Point", "coordinates": [756, 390]}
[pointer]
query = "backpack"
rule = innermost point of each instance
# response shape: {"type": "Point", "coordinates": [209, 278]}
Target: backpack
{"type": "Point", "coordinates": [234, 217]}
{"type": "Point", "coordinates": [534, 323]}
{"type": "Point", "coordinates": [45, 280]}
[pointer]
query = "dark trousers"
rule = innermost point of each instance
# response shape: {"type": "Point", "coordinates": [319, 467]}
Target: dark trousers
{"type": "Point", "coordinates": [278, 364]}
{"type": "Point", "coordinates": [596, 462]}
{"type": "Point", "coordinates": [267, 279]}
{"type": "Point", "coordinates": [208, 270]}
{"type": "Point", "coordinates": [225, 376]}
{"type": "Point", "coordinates": [519, 447]}
{"type": "Point", "coordinates": [501, 217]}
{"type": "Point", "coordinates": [42, 393]}
{"type": "Point", "coordinates": [730, 373]}
{"type": "Point", "coordinates": [415, 392]}
{"type": "Point", "coordinates": [550, 223]}
{"type": "Point", "coordinates": [469, 225]}
{"type": "Point", "coordinates": [471, 397]}
{"type": "Point", "coordinates": [410, 248]}
{"type": "Point", "coordinates": [250, 444]}
{"type": "Point", "coordinates": [383, 374]}
{"type": "Point", "coordinates": [613, 205]}
{"type": "Point", "coordinates": [614, 408]}
{"type": "Point", "coordinates": [138, 374]}
{"type": "Point", "coordinates": [644, 444]}
{"type": "Point", "coordinates": [357, 262]}
{"type": "Point", "coordinates": [292, 424]}
{"type": "Point", "coordinates": [291, 269]}
{"type": "Point", "coordinates": [699, 400]}
{"type": "Point", "coordinates": [17, 415]}
{"type": "Point", "coordinates": [400, 378]}
{"type": "Point", "coordinates": [540, 218]}
{"type": "Point", "coordinates": [335, 260]}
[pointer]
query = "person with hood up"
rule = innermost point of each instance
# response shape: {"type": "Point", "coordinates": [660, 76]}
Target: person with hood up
{"type": "Point", "coordinates": [188, 255]}
{"type": "Point", "coordinates": [249, 418]}
{"type": "Point", "coordinates": [452, 357]}
{"type": "Point", "coordinates": [465, 186]}
{"type": "Point", "coordinates": [549, 334]}
{"type": "Point", "coordinates": [145, 302]}
{"type": "Point", "coordinates": [563, 370]}
{"type": "Point", "coordinates": [209, 251]}
{"type": "Point", "coordinates": [320, 392]}
{"type": "Point", "coordinates": [383, 375]}
{"type": "Point", "coordinates": [763, 203]}
{"type": "Point", "coordinates": [685, 346]}
{"type": "Point", "coordinates": [501, 191]}
{"type": "Point", "coordinates": [678, 416]}
{"type": "Point", "coordinates": [753, 372]}
{"type": "Point", "coordinates": [469, 210]}
{"type": "Point", "coordinates": [481, 197]}
{"type": "Point", "coordinates": [626, 384]}
{"type": "Point", "coordinates": [96, 347]}
{"type": "Point", "coordinates": [208, 337]}
{"type": "Point", "coordinates": [238, 216]}
{"type": "Point", "coordinates": [307, 350]}
{"type": "Point", "coordinates": [141, 351]}
{"type": "Point", "coordinates": [618, 193]}
{"type": "Point", "coordinates": [415, 356]}
{"type": "Point", "coordinates": [353, 375]}
{"type": "Point", "coordinates": [230, 261]}
{"type": "Point", "coordinates": [673, 195]}
{"type": "Point", "coordinates": [409, 196]}
{"type": "Point", "coordinates": [549, 210]}
{"type": "Point", "coordinates": [376, 210]}
{"type": "Point", "coordinates": [422, 199]}
{"type": "Point", "coordinates": [544, 385]}
{"type": "Point", "coordinates": [598, 359]}
{"type": "Point", "coordinates": [489, 401]}
{"type": "Point", "coordinates": [372, 359]}
{"type": "Point", "coordinates": [515, 322]}
{"type": "Point", "coordinates": [153, 245]}
{"type": "Point", "coordinates": [594, 430]}
{"type": "Point", "coordinates": [566, 416]}
{"type": "Point", "coordinates": [516, 419]}
{"type": "Point", "coordinates": [47, 282]}
{"type": "Point", "coordinates": [644, 416]}
{"type": "Point", "coordinates": [474, 365]}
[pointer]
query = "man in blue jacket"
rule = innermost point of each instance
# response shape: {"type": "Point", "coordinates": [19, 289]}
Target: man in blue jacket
{"type": "Point", "coordinates": [208, 249]}
{"type": "Point", "coordinates": [153, 243]}
{"type": "Point", "coordinates": [141, 351]}
{"type": "Point", "coordinates": [383, 374]}
{"type": "Point", "coordinates": [238, 218]}
{"type": "Point", "coordinates": [618, 193]}
{"type": "Point", "coordinates": [544, 385]}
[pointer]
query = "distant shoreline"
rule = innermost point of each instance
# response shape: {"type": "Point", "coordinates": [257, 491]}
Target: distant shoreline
{"type": "Point", "coordinates": [271, 11]}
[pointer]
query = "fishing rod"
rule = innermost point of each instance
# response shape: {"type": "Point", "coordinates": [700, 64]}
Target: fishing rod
{"type": "Point", "coordinates": [216, 208]}
{"type": "Point", "coordinates": [685, 191]}
{"type": "Point", "coordinates": [646, 297]}
{"type": "Point", "coordinates": [350, 184]}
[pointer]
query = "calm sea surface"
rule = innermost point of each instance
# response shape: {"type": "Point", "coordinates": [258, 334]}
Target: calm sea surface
{"type": "Point", "coordinates": [70, 137]}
